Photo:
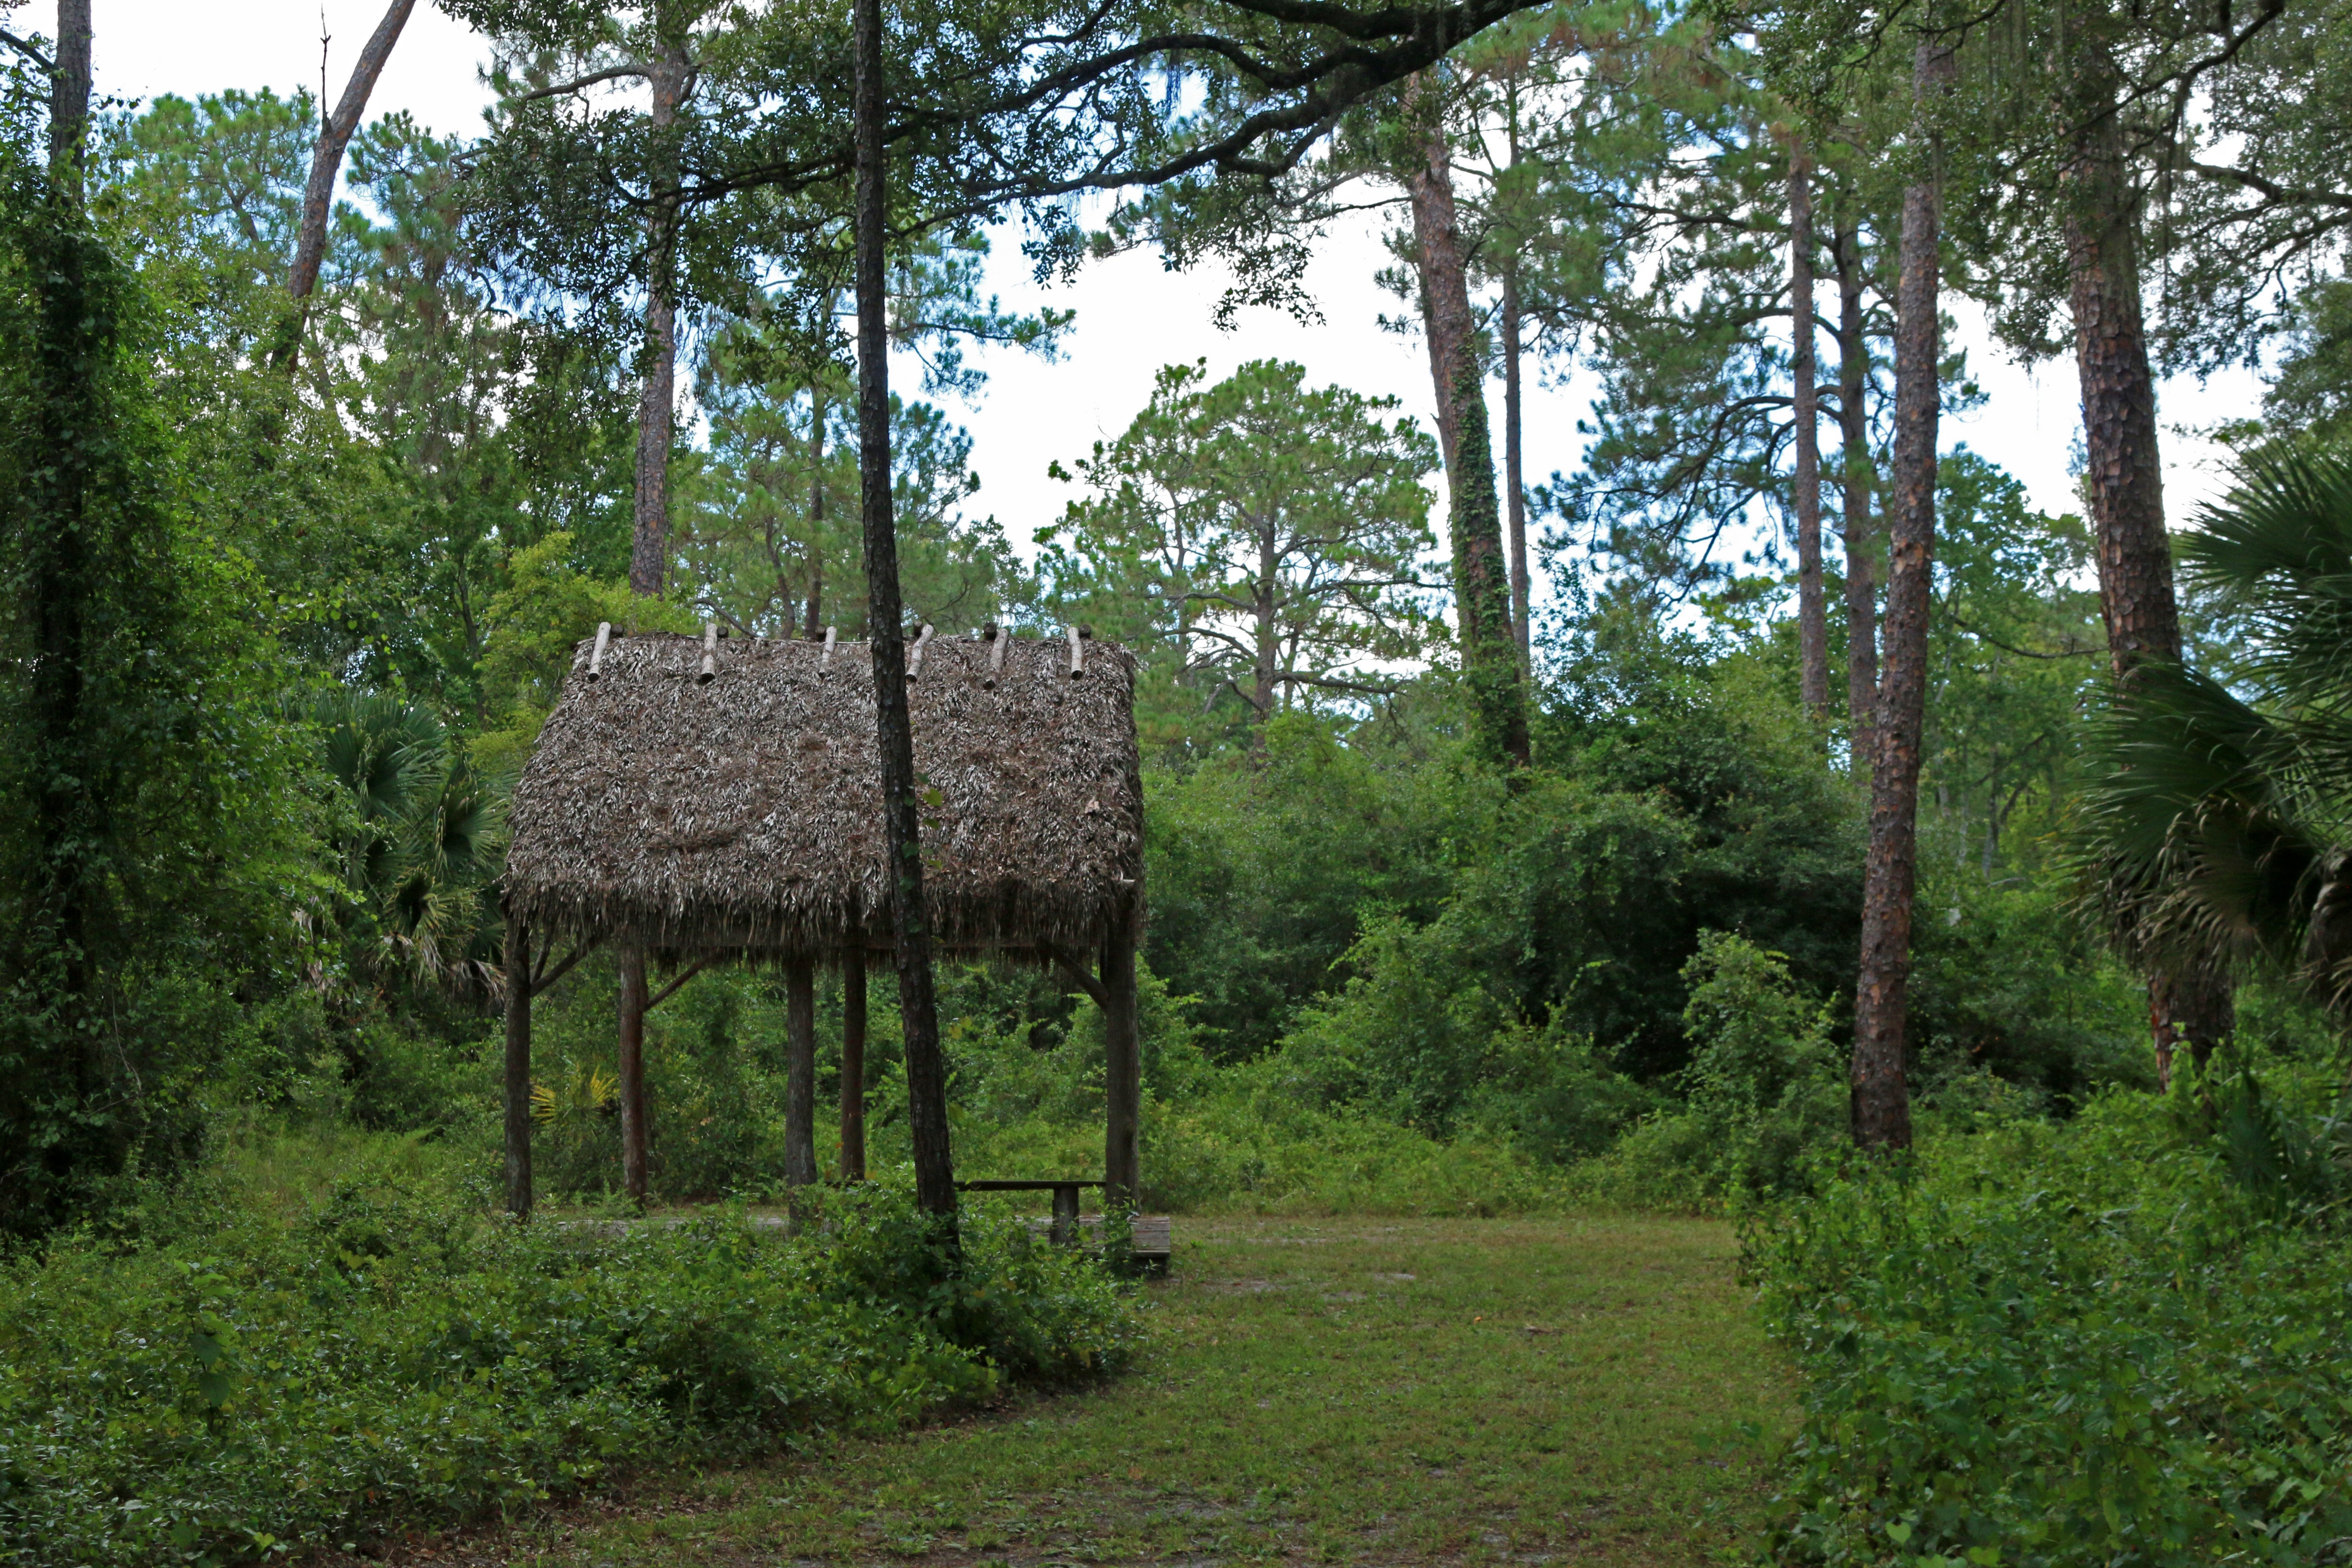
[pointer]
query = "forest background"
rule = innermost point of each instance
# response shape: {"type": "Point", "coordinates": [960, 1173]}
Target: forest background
{"type": "Point", "coordinates": [1840, 797]}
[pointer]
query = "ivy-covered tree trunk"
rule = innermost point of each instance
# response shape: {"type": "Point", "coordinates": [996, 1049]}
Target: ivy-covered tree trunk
{"type": "Point", "coordinates": [1482, 584]}
{"type": "Point", "coordinates": [2187, 1003]}
{"type": "Point", "coordinates": [1856, 480]}
{"type": "Point", "coordinates": [1882, 1100]}
{"type": "Point", "coordinates": [665, 78]}
{"type": "Point", "coordinates": [919, 1013]}
{"type": "Point", "coordinates": [1813, 616]}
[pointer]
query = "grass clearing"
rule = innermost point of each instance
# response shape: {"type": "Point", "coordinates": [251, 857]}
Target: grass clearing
{"type": "Point", "coordinates": [1589, 1390]}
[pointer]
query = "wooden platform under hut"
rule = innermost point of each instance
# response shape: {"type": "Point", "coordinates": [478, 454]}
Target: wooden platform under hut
{"type": "Point", "coordinates": [694, 801]}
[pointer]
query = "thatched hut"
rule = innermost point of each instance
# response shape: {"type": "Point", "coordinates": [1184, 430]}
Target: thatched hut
{"type": "Point", "coordinates": [700, 800]}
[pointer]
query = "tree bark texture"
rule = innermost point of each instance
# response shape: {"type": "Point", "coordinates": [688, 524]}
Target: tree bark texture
{"type": "Point", "coordinates": [853, 1066]}
{"type": "Point", "coordinates": [1482, 591]}
{"type": "Point", "coordinates": [666, 76]}
{"type": "Point", "coordinates": [800, 1072]}
{"type": "Point", "coordinates": [811, 626]}
{"type": "Point", "coordinates": [2190, 1004]}
{"type": "Point", "coordinates": [632, 1066]}
{"type": "Point", "coordinates": [1515, 483]}
{"type": "Point", "coordinates": [1856, 481]}
{"type": "Point", "coordinates": [327, 158]}
{"type": "Point", "coordinates": [1813, 616]}
{"type": "Point", "coordinates": [518, 1069]}
{"type": "Point", "coordinates": [926, 1112]}
{"type": "Point", "coordinates": [1881, 1102]}
{"type": "Point", "coordinates": [69, 99]}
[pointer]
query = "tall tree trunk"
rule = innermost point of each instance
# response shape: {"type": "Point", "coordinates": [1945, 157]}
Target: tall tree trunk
{"type": "Point", "coordinates": [1482, 592]}
{"type": "Point", "coordinates": [69, 99]}
{"type": "Point", "coordinates": [1882, 1101]}
{"type": "Point", "coordinates": [1515, 475]}
{"type": "Point", "coordinates": [1515, 485]}
{"type": "Point", "coordinates": [657, 401]}
{"type": "Point", "coordinates": [1812, 616]}
{"type": "Point", "coordinates": [811, 624]}
{"type": "Point", "coordinates": [326, 164]}
{"type": "Point", "coordinates": [72, 344]}
{"type": "Point", "coordinates": [853, 1064]}
{"type": "Point", "coordinates": [1855, 484]}
{"type": "Point", "coordinates": [2187, 1002]}
{"type": "Point", "coordinates": [800, 1072]}
{"type": "Point", "coordinates": [927, 1109]}
{"type": "Point", "coordinates": [517, 1069]}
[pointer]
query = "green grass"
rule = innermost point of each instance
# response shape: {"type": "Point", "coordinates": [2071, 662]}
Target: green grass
{"type": "Point", "coordinates": [1593, 1390]}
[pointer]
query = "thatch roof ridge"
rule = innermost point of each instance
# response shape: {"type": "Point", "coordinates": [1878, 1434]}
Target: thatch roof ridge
{"type": "Point", "coordinates": [744, 813]}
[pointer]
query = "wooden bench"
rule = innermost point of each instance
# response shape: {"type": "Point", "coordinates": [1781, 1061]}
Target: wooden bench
{"type": "Point", "coordinates": [1150, 1237]}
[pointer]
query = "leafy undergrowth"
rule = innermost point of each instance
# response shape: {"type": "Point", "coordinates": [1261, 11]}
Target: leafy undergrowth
{"type": "Point", "coordinates": [259, 1376]}
{"type": "Point", "coordinates": [1591, 1390]}
{"type": "Point", "coordinates": [2118, 1341]}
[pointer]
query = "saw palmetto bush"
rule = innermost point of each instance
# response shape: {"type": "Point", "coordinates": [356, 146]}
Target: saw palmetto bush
{"type": "Point", "coordinates": [2218, 827]}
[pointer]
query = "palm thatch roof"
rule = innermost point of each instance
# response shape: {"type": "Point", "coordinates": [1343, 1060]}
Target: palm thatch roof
{"type": "Point", "coordinates": [742, 814]}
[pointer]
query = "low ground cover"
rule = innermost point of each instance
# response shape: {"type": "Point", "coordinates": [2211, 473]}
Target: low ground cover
{"type": "Point", "coordinates": [1593, 1390]}
{"type": "Point", "coordinates": [2116, 1339]}
{"type": "Point", "coordinates": [267, 1371]}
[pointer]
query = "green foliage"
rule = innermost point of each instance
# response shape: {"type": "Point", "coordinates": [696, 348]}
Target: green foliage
{"type": "Point", "coordinates": [1764, 1096]}
{"type": "Point", "coordinates": [255, 1375]}
{"type": "Point", "coordinates": [2116, 1338]}
{"type": "Point", "coordinates": [1257, 536]}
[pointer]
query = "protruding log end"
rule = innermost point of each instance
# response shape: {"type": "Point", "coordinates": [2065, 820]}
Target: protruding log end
{"type": "Point", "coordinates": [596, 655]}
{"type": "Point", "coordinates": [1077, 652]}
{"type": "Point", "coordinates": [710, 653]}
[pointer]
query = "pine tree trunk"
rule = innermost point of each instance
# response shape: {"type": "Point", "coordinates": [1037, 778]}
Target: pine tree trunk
{"type": "Point", "coordinates": [517, 1066]}
{"type": "Point", "coordinates": [800, 1072]}
{"type": "Point", "coordinates": [72, 344]}
{"type": "Point", "coordinates": [811, 625]}
{"type": "Point", "coordinates": [1812, 616]}
{"type": "Point", "coordinates": [1482, 591]}
{"type": "Point", "coordinates": [657, 400]}
{"type": "Point", "coordinates": [2188, 1003]}
{"type": "Point", "coordinates": [1514, 486]}
{"type": "Point", "coordinates": [1855, 484]}
{"type": "Point", "coordinates": [853, 1066]}
{"type": "Point", "coordinates": [1881, 1102]}
{"type": "Point", "coordinates": [927, 1110]}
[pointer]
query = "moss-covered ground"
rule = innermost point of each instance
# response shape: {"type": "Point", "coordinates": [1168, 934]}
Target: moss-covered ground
{"type": "Point", "coordinates": [1580, 1391]}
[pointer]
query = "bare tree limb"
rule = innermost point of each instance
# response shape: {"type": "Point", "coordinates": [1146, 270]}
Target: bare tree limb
{"type": "Point", "coordinates": [327, 164]}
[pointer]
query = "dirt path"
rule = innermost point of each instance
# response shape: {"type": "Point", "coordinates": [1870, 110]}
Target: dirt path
{"type": "Point", "coordinates": [1580, 1391]}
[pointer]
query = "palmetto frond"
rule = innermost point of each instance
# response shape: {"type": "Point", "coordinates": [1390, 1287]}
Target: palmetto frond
{"type": "Point", "coordinates": [2212, 833]}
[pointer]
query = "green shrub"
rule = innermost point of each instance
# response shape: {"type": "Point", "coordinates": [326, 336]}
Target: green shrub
{"type": "Point", "coordinates": [1765, 1098]}
{"type": "Point", "coordinates": [2119, 1340]}
{"type": "Point", "coordinates": [387, 1355]}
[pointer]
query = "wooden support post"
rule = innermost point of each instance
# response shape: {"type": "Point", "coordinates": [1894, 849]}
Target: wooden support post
{"type": "Point", "coordinates": [517, 1069]}
{"type": "Point", "coordinates": [1122, 1070]}
{"type": "Point", "coordinates": [1064, 1231]}
{"type": "Point", "coordinates": [800, 1072]}
{"type": "Point", "coordinates": [632, 1072]}
{"type": "Point", "coordinates": [853, 1066]}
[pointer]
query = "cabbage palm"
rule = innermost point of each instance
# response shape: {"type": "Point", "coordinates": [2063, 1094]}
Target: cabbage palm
{"type": "Point", "coordinates": [418, 842]}
{"type": "Point", "coordinates": [2217, 831]}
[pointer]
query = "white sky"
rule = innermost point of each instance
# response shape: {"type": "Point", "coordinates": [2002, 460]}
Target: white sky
{"type": "Point", "coordinates": [1133, 316]}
